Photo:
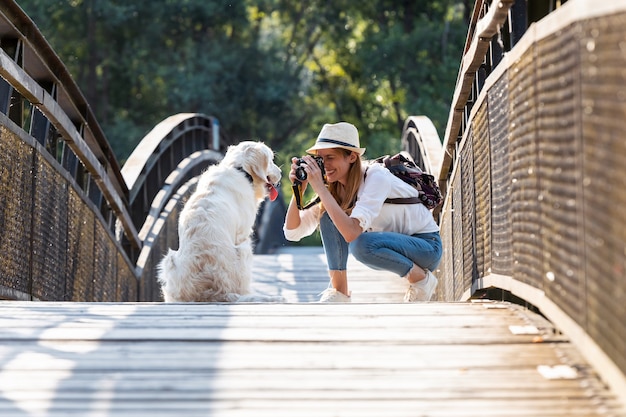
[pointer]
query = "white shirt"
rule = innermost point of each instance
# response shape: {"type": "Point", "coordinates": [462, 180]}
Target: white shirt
{"type": "Point", "coordinates": [372, 213]}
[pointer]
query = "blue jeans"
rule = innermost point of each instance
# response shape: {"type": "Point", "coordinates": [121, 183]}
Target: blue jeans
{"type": "Point", "coordinates": [387, 251]}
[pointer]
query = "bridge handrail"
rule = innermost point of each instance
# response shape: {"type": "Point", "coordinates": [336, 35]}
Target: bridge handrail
{"type": "Point", "coordinates": [67, 110]}
{"type": "Point", "coordinates": [534, 149]}
{"type": "Point", "coordinates": [480, 37]}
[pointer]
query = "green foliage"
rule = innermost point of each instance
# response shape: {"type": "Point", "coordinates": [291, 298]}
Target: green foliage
{"type": "Point", "coordinates": [273, 70]}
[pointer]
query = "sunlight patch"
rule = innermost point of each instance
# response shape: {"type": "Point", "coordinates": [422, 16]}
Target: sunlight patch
{"type": "Point", "coordinates": [16, 381]}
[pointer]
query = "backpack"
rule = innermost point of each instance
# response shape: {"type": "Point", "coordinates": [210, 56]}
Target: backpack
{"type": "Point", "coordinates": [402, 166]}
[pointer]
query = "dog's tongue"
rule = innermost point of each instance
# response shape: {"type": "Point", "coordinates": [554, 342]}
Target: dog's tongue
{"type": "Point", "coordinates": [272, 190]}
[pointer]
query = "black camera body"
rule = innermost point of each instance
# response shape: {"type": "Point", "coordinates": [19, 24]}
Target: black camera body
{"type": "Point", "coordinates": [301, 173]}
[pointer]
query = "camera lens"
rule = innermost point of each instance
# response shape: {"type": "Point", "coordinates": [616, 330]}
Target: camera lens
{"type": "Point", "coordinates": [300, 173]}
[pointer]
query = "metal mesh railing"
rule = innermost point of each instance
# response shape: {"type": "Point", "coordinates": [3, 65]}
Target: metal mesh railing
{"type": "Point", "coordinates": [535, 197]}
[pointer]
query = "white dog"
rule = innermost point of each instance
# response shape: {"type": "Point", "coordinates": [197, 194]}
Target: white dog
{"type": "Point", "coordinates": [214, 259]}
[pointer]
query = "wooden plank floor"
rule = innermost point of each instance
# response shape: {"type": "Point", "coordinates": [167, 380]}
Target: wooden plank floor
{"type": "Point", "coordinates": [375, 357]}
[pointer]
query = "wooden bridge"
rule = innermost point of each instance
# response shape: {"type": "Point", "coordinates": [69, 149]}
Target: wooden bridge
{"type": "Point", "coordinates": [530, 317]}
{"type": "Point", "coordinates": [374, 357]}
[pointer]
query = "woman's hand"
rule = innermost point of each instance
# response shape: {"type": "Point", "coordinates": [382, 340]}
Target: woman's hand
{"type": "Point", "coordinates": [313, 173]}
{"type": "Point", "coordinates": [292, 174]}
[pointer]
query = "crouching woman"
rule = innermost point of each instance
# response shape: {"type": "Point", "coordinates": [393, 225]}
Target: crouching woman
{"type": "Point", "coordinates": [353, 217]}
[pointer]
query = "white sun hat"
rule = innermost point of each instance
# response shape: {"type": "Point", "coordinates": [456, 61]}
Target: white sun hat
{"type": "Point", "coordinates": [339, 135]}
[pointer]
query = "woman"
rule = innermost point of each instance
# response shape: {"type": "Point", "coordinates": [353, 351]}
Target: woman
{"type": "Point", "coordinates": [353, 216]}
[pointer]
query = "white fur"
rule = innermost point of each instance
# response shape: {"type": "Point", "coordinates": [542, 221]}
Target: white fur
{"type": "Point", "coordinates": [214, 260]}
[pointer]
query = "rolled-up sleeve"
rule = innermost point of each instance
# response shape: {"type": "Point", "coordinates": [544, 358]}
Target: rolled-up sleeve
{"type": "Point", "coordinates": [309, 220]}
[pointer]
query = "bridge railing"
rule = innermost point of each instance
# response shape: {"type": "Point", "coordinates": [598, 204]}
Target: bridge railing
{"type": "Point", "coordinates": [533, 171]}
{"type": "Point", "coordinates": [40, 96]}
{"type": "Point", "coordinates": [62, 191]}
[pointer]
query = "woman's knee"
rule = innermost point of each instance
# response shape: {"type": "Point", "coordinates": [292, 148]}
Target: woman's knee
{"type": "Point", "coordinates": [360, 248]}
{"type": "Point", "coordinates": [435, 259]}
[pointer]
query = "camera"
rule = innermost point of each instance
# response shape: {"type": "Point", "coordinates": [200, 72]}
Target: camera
{"type": "Point", "coordinates": [301, 173]}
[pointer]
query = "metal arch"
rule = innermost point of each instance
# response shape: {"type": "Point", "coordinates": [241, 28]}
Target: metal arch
{"type": "Point", "coordinates": [188, 168]}
{"type": "Point", "coordinates": [421, 141]}
{"type": "Point", "coordinates": [157, 155]}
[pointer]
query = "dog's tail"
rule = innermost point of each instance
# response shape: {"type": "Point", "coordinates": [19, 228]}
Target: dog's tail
{"type": "Point", "coordinates": [167, 264]}
{"type": "Point", "coordinates": [165, 270]}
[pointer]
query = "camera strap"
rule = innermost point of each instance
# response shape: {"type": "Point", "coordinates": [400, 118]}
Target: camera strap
{"type": "Point", "coordinates": [297, 193]}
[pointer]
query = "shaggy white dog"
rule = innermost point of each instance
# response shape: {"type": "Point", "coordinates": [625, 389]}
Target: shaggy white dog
{"type": "Point", "coordinates": [214, 259]}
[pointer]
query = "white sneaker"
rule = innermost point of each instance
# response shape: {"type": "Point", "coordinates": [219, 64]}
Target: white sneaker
{"type": "Point", "coordinates": [331, 295]}
{"type": "Point", "coordinates": [422, 290]}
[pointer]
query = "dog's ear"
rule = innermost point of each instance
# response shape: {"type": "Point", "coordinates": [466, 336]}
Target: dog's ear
{"type": "Point", "coordinates": [236, 155]}
{"type": "Point", "coordinates": [259, 159]}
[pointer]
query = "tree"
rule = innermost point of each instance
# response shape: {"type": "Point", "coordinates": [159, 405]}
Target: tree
{"type": "Point", "coordinates": [273, 70]}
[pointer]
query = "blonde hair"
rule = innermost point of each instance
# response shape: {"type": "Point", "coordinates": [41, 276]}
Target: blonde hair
{"type": "Point", "coordinates": [346, 195]}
